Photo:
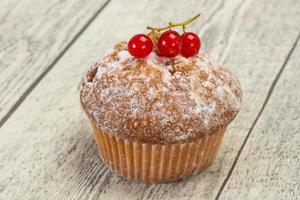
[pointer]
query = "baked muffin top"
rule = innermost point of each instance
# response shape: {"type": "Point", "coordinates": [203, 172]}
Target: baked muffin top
{"type": "Point", "coordinates": [158, 99]}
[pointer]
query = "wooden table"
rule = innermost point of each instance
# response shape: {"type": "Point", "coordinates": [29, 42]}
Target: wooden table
{"type": "Point", "coordinates": [47, 150]}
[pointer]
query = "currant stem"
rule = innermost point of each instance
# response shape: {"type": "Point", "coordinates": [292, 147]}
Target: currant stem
{"type": "Point", "coordinates": [158, 29]}
{"type": "Point", "coordinates": [185, 22]}
{"type": "Point", "coordinates": [172, 25]}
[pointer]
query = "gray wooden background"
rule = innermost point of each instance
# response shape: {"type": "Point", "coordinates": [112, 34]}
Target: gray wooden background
{"type": "Point", "coordinates": [47, 149]}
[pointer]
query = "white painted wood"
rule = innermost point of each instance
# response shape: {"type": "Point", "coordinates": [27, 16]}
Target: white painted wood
{"type": "Point", "coordinates": [269, 166]}
{"type": "Point", "coordinates": [46, 147]}
{"type": "Point", "coordinates": [33, 33]}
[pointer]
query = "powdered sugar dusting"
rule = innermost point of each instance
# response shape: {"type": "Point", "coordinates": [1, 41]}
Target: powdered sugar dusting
{"type": "Point", "coordinates": [157, 99]}
{"type": "Point", "coordinates": [124, 56]}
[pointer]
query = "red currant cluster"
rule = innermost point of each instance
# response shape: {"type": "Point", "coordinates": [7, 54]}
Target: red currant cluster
{"type": "Point", "coordinates": [169, 44]}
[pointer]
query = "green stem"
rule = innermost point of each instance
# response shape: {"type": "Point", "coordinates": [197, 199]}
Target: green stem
{"type": "Point", "coordinates": [172, 25]}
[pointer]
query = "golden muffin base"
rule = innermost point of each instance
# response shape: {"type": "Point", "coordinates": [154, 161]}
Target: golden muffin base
{"type": "Point", "coordinates": [156, 163]}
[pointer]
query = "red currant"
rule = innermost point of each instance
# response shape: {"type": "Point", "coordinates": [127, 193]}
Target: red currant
{"type": "Point", "coordinates": [140, 46]}
{"type": "Point", "coordinates": [190, 44]}
{"type": "Point", "coordinates": [169, 44]}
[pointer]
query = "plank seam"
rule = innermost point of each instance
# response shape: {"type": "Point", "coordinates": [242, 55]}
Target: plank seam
{"type": "Point", "coordinates": [269, 94]}
{"type": "Point", "coordinates": [50, 66]}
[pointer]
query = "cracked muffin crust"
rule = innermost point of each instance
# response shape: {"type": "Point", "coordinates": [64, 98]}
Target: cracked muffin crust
{"type": "Point", "coordinates": [159, 100]}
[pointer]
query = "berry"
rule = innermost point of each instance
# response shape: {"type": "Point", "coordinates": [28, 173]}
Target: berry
{"type": "Point", "coordinates": [140, 46]}
{"type": "Point", "coordinates": [169, 44]}
{"type": "Point", "coordinates": [190, 44]}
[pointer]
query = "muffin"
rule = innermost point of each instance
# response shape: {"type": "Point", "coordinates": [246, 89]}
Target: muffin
{"type": "Point", "coordinates": [158, 119]}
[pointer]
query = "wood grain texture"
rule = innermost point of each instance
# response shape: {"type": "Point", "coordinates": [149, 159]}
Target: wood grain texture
{"type": "Point", "coordinates": [33, 35]}
{"type": "Point", "coordinates": [47, 149]}
{"type": "Point", "coordinates": [269, 166]}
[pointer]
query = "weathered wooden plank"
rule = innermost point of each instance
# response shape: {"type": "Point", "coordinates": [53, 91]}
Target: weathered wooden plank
{"type": "Point", "coordinates": [47, 146]}
{"type": "Point", "coordinates": [269, 166]}
{"type": "Point", "coordinates": [33, 35]}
